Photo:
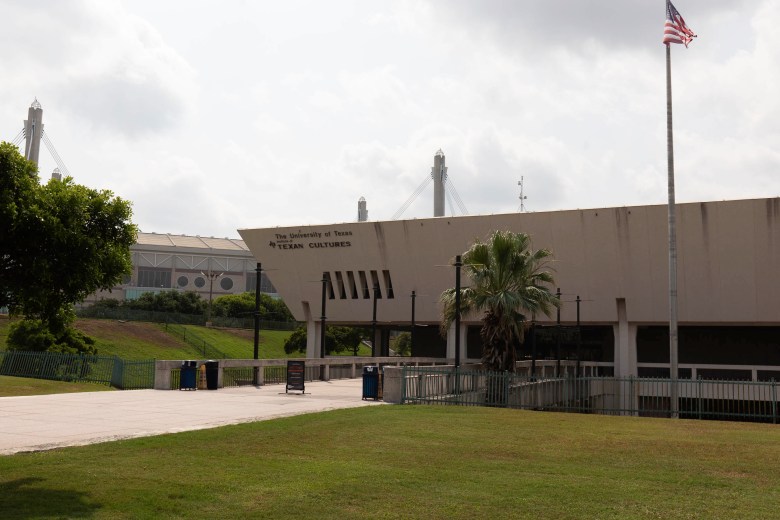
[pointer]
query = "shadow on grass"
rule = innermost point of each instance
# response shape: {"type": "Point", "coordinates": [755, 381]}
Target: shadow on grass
{"type": "Point", "coordinates": [24, 498]}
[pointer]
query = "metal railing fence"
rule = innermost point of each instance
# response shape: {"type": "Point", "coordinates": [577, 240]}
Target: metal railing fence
{"type": "Point", "coordinates": [58, 366]}
{"type": "Point", "coordinates": [194, 340]}
{"type": "Point", "coordinates": [646, 397]}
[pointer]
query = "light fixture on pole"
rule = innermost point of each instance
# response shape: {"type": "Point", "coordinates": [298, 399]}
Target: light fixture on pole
{"type": "Point", "coordinates": [211, 276]}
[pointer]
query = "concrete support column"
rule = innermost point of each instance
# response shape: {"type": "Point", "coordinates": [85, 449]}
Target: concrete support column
{"type": "Point", "coordinates": [625, 355]}
{"type": "Point", "coordinates": [312, 333]}
{"type": "Point", "coordinates": [451, 341]}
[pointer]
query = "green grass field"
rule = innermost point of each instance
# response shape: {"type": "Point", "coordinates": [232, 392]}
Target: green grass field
{"type": "Point", "coordinates": [16, 386]}
{"type": "Point", "coordinates": [412, 462]}
{"type": "Point", "coordinates": [239, 343]}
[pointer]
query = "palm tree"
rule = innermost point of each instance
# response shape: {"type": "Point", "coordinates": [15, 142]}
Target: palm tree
{"type": "Point", "coordinates": [509, 281]}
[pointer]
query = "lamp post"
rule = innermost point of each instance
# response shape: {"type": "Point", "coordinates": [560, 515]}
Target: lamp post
{"type": "Point", "coordinates": [458, 265]}
{"type": "Point", "coordinates": [558, 336]}
{"type": "Point", "coordinates": [579, 338]}
{"type": "Point", "coordinates": [323, 317]}
{"type": "Point", "coordinates": [411, 347]}
{"type": "Point", "coordinates": [211, 276]}
{"type": "Point", "coordinates": [373, 322]}
{"type": "Point", "coordinates": [255, 372]}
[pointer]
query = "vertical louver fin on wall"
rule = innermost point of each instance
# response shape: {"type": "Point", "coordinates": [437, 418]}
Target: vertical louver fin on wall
{"type": "Point", "coordinates": [364, 285]}
{"type": "Point", "coordinates": [375, 283]}
{"type": "Point", "coordinates": [329, 284]}
{"type": "Point", "coordinates": [352, 285]}
{"type": "Point", "coordinates": [388, 284]}
{"type": "Point", "coordinates": [340, 283]}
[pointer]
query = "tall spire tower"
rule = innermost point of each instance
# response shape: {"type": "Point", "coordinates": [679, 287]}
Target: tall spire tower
{"type": "Point", "coordinates": [33, 128]}
{"type": "Point", "coordinates": [439, 174]}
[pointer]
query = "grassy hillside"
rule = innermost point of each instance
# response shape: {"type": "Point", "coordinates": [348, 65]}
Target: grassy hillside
{"type": "Point", "coordinates": [143, 340]}
{"type": "Point", "coordinates": [133, 339]}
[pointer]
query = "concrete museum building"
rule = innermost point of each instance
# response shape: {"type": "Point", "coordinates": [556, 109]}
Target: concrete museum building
{"type": "Point", "coordinates": [614, 259]}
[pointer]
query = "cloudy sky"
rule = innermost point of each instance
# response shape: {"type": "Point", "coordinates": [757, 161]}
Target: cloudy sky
{"type": "Point", "coordinates": [214, 116]}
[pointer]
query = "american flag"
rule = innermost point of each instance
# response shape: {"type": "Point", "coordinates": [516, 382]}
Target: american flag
{"type": "Point", "coordinates": [675, 30]}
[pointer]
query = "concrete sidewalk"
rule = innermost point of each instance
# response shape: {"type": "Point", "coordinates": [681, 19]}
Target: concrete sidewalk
{"type": "Point", "coordinates": [44, 422]}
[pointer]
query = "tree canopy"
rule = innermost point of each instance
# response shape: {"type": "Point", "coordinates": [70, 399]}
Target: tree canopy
{"type": "Point", "coordinates": [337, 340]}
{"type": "Point", "coordinates": [509, 282]}
{"type": "Point", "coordinates": [59, 242]}
{"type": "Point", "coordinates": [243, 306]}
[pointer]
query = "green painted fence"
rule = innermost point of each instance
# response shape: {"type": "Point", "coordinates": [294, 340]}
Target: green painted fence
{"type": "Point", "coordinates": [58, 366]}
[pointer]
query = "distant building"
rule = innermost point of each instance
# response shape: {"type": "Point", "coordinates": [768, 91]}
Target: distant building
{"type": "Point", "coordinates": [362, 210]}
{"type": "Point", "coordinates": [165, 262]}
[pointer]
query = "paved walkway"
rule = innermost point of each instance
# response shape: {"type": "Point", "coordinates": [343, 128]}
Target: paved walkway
{"type": "Point", "coordinates": [44, 422]}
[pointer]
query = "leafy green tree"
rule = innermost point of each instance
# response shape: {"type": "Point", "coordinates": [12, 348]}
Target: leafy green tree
{"type": "Point", "coordinates": [59, 243]}
{"type": "Point", "coordinates": [243, 306]}
{"type": "Point", "coordinates": [337, 340]}
{"type": "Point", "coordinates": [509, 282]}
{"type": "Point", "coordinates": [403, 344]}
{"type": "Point", "coordinates": [296, 342]}
{"type": "Point", "coordinates": [18, 202]}
{"type": "Point", "coordinates": [32, 335]}
{"type": "Point", "coordinates": [183, 302]}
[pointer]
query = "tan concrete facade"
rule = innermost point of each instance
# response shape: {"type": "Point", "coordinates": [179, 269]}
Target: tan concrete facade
{"type": "Point", "coordinates": [616, 259]}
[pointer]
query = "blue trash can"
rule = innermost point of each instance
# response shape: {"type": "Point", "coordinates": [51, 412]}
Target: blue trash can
{"type": "Point", "coordinates": [371, 382]}
{"type": "Point", "coordinates": [188, 379]}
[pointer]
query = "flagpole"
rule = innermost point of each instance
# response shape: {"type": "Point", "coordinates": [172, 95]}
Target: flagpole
{"type": "Point", "coordinates": [673, 369]}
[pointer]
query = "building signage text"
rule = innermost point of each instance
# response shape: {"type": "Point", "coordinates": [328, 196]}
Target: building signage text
{"type": "Point", "coordinates": [311, 240]}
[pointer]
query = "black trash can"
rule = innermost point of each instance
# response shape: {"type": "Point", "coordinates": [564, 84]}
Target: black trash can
{"type": "Point", "coordinates": [370, 382]}
{"type": "Point", "coordinates": [212, 374]}
{"type": "Point", "coordinates": [188, 379]}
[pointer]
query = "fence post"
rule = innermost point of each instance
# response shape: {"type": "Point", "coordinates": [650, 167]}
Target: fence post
{"type": "Point", "coordinates": [506, 389]}
{"type": "Point", "coordinates": [774, 401]}
{"type": "Point", "coordinates": [698, 400]}
{"type": "Point", "coordinates": [403, 382]}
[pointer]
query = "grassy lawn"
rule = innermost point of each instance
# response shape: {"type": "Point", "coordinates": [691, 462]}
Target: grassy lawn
{"type": "Point", "coordinates": [13, 386]}
{"type": "Point", "coordinates": [239, 343]}
{"type": "Point", "coordinates": [134, 339]}
{"type": "Point", "coordinates": [412, 462]}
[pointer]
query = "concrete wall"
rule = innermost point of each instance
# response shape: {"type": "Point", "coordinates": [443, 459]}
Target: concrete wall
{"type": "Point", "coordinates": [728, 257]}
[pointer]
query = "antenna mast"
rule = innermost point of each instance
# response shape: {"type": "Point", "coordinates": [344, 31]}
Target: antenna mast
{"type": "Point", "coordinates": [522, 196]}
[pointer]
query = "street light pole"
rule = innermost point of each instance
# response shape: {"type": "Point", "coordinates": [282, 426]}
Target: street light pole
{"type": "Point", "coordinates": [255, 374]}
{"type": "Point", "coordinates": [323, 318]}
{"type": "Point", "coordinates": [458, 265]}
{"type": "Point", "coordinates": [211, 276]}
{"type": "Point", "coordinates": [411, 347]}
{"type": "Point", "coordinates": [373, 323]}
{"type": "Point", "coordinates": [579, 338]}
{"type": "Point", "coordinates": [558, 336]}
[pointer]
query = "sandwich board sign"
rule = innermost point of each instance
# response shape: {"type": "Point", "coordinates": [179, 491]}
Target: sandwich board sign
{"type": "Point", "coordinates": [296, 381]}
